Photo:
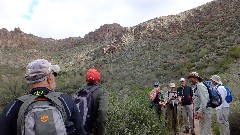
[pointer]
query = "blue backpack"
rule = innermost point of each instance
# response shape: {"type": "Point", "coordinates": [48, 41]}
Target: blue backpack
{"type": "Point", "coordinates": [215, 98]}
{"type": "Point", "coordinates": [228, 98]}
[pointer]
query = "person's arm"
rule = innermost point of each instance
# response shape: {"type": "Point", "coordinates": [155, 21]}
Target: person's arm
{"type": "Point", "coordinates": [102, 113]}
{"type": "Point", "coordinates": [3, 122]}
{"type": "Point", "coordinates": [78, 123]}
{"type": "Point", "coordinates": [204, 97]}
{"type": "Point", "coordinates": [6, 119]}
{"type": "Point", "coordinates": [191, 92]}
{"type": "Point", "coordinates": [152, 95]}
{"type": "Point", "coordinates": [73, 115]}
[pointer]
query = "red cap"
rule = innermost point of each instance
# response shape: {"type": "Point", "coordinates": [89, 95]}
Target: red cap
{"type": "Point", "coordinates": [92, 75]}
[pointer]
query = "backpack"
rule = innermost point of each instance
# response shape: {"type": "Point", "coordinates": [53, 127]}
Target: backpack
{"type": "Point", "coordinates": [83, 99]}
{"type": "Point", "coordinates": [215, 98]}
{"type": "Point", "coordinates": [229, 97]}
{"type": "Point", "coordinates": [41, 115]}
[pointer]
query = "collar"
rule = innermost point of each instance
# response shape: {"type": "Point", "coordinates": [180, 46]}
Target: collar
{"type": "Point", "coordinates": [39, 91]}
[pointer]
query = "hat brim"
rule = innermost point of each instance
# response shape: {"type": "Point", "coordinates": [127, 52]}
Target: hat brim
{"type": "Point", "coordinates": [219, 82]}
{"type": "Point", "coordinates": [193, 76]}
{"type": "Point", "coordinates": [55, 68]}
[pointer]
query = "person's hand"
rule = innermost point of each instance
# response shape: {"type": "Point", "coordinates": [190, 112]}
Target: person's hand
{"type": "Point", "coordinates": [198, 116]}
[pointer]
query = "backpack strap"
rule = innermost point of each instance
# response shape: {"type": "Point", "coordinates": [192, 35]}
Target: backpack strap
{"type": "Point", "coordinates": [27, 100]}
{"type": "Point", "coordinates": [92, 89]}
{"type": "Point", "coordinates": [54, 97]}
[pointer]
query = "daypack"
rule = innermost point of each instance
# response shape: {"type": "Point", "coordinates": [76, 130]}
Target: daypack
{"type": "Point", "coordinates": [83, 99]}
{"type": "Point", "coordinates": [41, 115]}
{"type": "Point", "coordinates": [228, 98]}
{"type": "Point", "coordinates": [215, 98]}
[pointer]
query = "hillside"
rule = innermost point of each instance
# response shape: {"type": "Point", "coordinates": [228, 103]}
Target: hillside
{"type": "Point", "coordinates": [205, 39]}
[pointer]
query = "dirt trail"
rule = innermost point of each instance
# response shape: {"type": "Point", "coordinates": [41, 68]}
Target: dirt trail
{"type": "Point", "coordinates": [197, 130]}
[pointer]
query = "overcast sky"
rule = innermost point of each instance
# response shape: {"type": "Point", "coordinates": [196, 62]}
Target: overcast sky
{"type": "Point", "coordinates": [60, 19]}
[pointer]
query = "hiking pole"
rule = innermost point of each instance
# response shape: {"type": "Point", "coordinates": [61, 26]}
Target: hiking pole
{"type": "Point", "coordinates": [176, 122]}
{"type": "Point", "coordinates": [193, 116]}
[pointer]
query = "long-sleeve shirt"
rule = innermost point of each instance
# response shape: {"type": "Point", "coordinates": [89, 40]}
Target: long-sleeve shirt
{"type": "Point", "coordinates": [186, 94]}
{"type": "Point", "coordinates": [99, 111]}
{"type": "Point", "coordinates": [200, 98]}
{"type": "Point", "coordinates": [223, 93]}
{"type": "Point", "coordinates": [8, 118]}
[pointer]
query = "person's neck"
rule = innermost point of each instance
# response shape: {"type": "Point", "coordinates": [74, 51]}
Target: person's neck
{"type": "Point", "coordinates": [40, 84]}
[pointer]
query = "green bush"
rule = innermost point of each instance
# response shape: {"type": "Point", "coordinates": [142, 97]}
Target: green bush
{"type": "Point", "coordinates": [129, 114]}
{"type": "Point", "coordinates": [11, 89]}
{"type": "Point", "coordinates": [234, 118]}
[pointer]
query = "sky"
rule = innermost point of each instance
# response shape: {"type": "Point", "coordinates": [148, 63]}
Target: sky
{"type": "Point", "coordinates": [59, 19]}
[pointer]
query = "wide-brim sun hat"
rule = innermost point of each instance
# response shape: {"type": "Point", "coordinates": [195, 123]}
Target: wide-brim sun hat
{"type": "Point", "coordinates": [195, 75]}
{"type": "Point", "coordinates": [216, 79]}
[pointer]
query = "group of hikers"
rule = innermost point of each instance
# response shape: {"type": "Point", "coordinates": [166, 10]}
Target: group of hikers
{"type": "Point", "coordinates": [43, 111]}
{"type": "Point", "coordinates": [195, 102]}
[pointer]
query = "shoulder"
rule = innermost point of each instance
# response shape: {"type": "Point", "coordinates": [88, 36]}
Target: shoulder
{"type": "Point", "coordinates": [201, 85]}
{"type": "Point", "coordinates": [100, 90]}
{"type": "Point", "coordinates": [221, 88]}
{"type": "Point", "coordinates": [179, 88]}
{"type": "Point", "coordinates": [189, 88]}
{"type": "Point", "coordinates": [67, 100]}
{"type": "Point", "coordinates": [12, 108]}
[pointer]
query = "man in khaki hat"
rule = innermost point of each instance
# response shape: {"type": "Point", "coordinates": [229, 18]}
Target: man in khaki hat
{"type": "Point", "coordinates": [223, 109]}
{"type": "Point", "coordinates": [200, 99]}
{"type": "Point", "coordinates": [18, 116]}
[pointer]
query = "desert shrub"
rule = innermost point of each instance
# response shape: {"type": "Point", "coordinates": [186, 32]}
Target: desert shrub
{"type": "Point", "coordinates": [129, 114]}
{"type": "Point", "coordinates": [234, 118]}
{"type": "Point", "coordinates": [234, 52]}
{"type": "Point", "coordinates": [11, 89]}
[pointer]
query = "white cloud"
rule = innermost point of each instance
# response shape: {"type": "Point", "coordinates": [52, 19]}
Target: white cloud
{"type": "Point", "coordinates": [61, 19]}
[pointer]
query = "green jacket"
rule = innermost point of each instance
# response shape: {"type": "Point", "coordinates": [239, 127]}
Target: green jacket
{"type": "Point", "coordinates": [99, 111]}
{"type": "Point", "coordinates": [201, 98]}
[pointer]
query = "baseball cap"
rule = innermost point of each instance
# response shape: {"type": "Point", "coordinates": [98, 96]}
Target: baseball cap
{"type": "Point", "coordinates": [92, 75]}
{"type": "Point", "coordinates": [182, 80]}
{"type": "Point", "coordinates": [156, 84]}
{"type": "Point", "coordinates": [172, 85]}
{"type": "Point", "coordinates": [38, 70]}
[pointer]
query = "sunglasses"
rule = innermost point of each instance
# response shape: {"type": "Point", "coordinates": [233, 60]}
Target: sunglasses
{"type": "Point", "coordinates": [54, 73]}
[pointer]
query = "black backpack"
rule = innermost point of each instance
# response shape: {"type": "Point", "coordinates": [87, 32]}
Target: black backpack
{"type": "Point", "coordinates": [215, 98]}
{"type": "Point", "coordinates": [83, 99]}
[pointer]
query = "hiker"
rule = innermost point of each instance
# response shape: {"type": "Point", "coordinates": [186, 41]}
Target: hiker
{"type": "Point", "coordinates": [200, 100]}
{"type": "Point", "coordinates": [185, 95]}
{"type": "Point", "coordinates": [171, 111]}
{"type": "Point", "coordinates": [43, 111]}
{"type": "Point", "coordinates": [157, 101]}
{"type": "Point", "coordinates": [97, 102]}
{"type": "Point", "coordinates": [223, 109]}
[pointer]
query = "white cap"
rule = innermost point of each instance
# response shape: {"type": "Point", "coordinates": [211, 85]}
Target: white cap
{"type": "Point", "coordinates": [182, 80]}
{"type": "Point", "coordinates": [172, 85]}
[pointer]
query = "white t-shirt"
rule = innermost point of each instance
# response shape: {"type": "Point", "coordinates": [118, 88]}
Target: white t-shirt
{"type": "Point", "coordinates": [223, 93]}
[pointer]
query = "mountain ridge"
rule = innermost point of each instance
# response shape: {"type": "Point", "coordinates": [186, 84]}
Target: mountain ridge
{"type": "Point", "coordinates": [206, 31]}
